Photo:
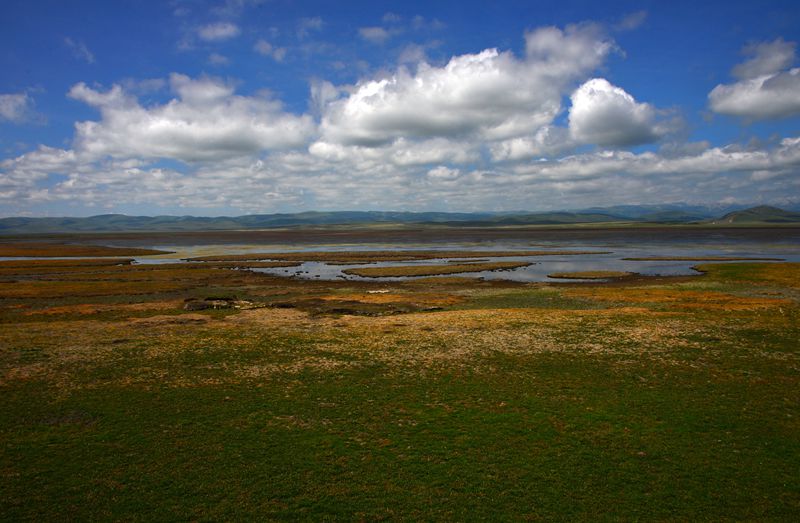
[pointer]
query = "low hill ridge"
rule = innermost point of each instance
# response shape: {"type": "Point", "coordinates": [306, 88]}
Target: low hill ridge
{"type": "Point", "coordinates": [619, 215]}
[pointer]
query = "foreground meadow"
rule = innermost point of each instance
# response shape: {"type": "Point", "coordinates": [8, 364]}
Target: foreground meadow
{"type": "Point", "coordinates": [191, 391]}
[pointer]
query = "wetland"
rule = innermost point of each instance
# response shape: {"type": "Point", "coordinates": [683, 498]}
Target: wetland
{"type": "Point", "coordinates": [233, 376]}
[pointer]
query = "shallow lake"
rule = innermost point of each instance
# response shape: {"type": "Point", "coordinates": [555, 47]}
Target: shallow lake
{"type": "Point", "coordinates": [609, 251]}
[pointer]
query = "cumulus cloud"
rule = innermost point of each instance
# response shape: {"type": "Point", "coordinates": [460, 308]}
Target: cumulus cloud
{"type": "Point", "coordinates": [767, 87]}
{"type": "Point", "coordinates": [481, 131]}
{"type": "Point", "coordinates": [15, 107]}
{"type": "Point", "coordinates": [606, 115]}
{"type": "Point", "coordinates": [547, 141]}
{"type": "Point", "coordinates": [767, 58]}
{"type": "Point", "coordinates": [218, 31]}
{"type": "Point", "coordinates": [79, 50]}
{"type": "Point", "coordinates": [492, 95]}
{"type": "Point", "coordinates": [567, 54]}
{"type": "Point", "coordinates": [206, 121]}
{"type": "Point", "coordinates": [765, 97]}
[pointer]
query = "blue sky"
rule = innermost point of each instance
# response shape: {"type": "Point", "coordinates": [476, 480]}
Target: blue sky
{"type": "Point", "coordinates": [247, 106]}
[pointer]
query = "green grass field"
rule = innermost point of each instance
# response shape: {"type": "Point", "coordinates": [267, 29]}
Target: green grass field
{"type": "Point", "coordinates": [672, 399]}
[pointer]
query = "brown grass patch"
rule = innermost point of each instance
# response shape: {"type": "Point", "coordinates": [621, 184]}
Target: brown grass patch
{"type": "Point", "coordinates": [39, 264]}
{"type": "Point", "coordinates": [432, 270]}
{"type": "Point", "coordinates": [97, 308]}
{"type": "Point", "coordinates": [42, 249]}
{"type": "Point", "coordinates": [180, 319]}
{"type": "Point", "coordinates": [62, 289]}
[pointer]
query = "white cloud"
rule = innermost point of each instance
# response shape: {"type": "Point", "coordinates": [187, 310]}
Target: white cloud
{"type": "Point", "coordinates": [767, 89]}
{"type": "Point", "coordinates": [547, 141]}
{"type": "Point", "coordinates": [218, 31]}
{"type": "Point", "coordinates": [306, 25]}
{"type": "Point", "coordinates": [765, 97]}
{"type": "Point", "coordinates": [322, 92]}
{"type": "Point", "coordinates": [567, 54]}
{"type": "Point", "coordinates": [291, 180]}
{"type": "Point", "coordinates": [79, 50]}
{"type": "Point", "coordinates": [413, 54]}
{"type": "Point", "coordinates": [376, 35]}
{"type": "Point", "coordinates": [480, 132]}
{"type": "Point", "coordinates": [493, 95]}
{"type": "Point", "coordinates": [444, 173]}
{"type": "Point", "coordinates": [631, 21]}
{"type": "Point", "coordinates": [606, 115]}
{"type": "Point", "coordinates": [218, 59]}
{"type": "Point", "coordinates": [206, 122]}
{"type": "Point", "coordinates": [768, 58]}
{"type": "Point", "coordinates": [265, 48]}
{"type": "Point", "coordinates": [15, 107]}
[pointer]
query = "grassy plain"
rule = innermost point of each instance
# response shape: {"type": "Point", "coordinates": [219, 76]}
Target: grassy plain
{"type": "Point", "coordinates": [440, 398]}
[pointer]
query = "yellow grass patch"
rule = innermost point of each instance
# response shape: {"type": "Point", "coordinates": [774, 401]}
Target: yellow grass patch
{"type": "Point", "coordinates": [417, 298]}
{"type": "Point", "coordinates": [678, 298]}
{"type": "Point", "coordinates": [781, 274]}
{"type": "Point", "coordinates": [96, 308]}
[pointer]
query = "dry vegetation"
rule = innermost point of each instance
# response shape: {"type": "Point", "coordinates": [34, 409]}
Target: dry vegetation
{"type": "Point", "coordinates": [432, 270]}
{"type": "Point", "coordinates": [42, 249]}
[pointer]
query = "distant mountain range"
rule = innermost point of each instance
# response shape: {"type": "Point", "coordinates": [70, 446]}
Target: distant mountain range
{"type": "Point", "coordinates": [630, 214]}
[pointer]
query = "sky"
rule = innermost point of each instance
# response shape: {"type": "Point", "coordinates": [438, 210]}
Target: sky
{"type": "Point", "coordinates": [262, 106]}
